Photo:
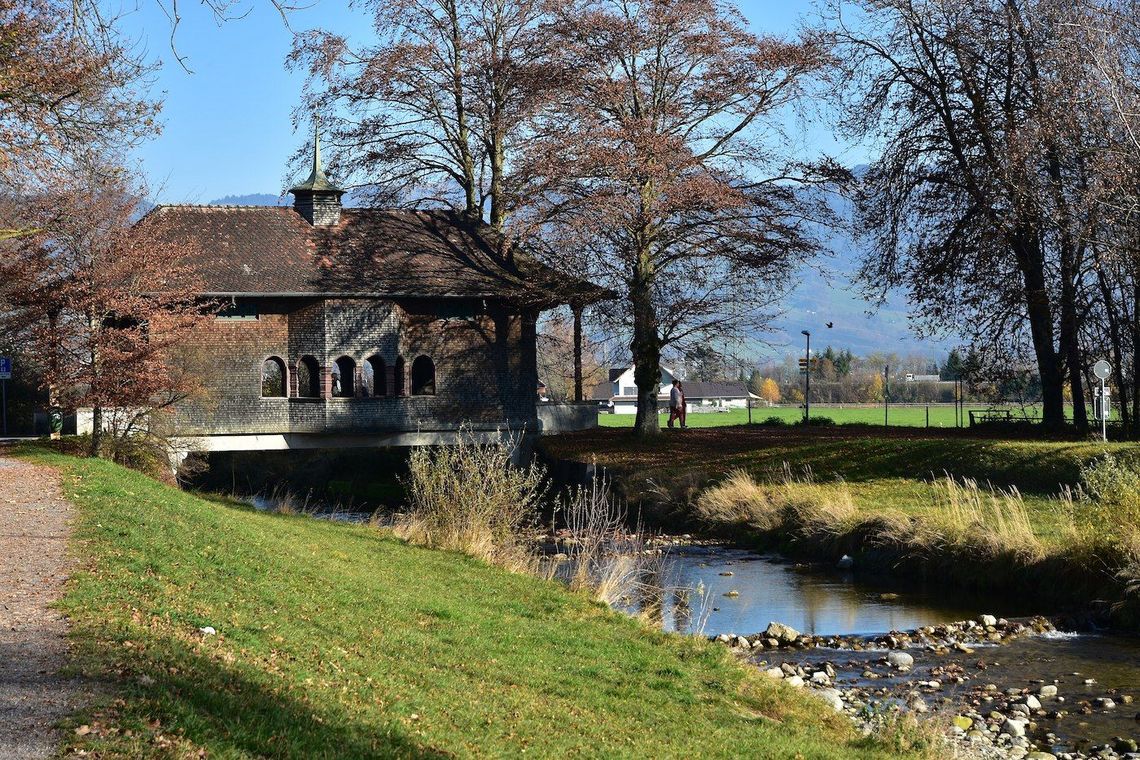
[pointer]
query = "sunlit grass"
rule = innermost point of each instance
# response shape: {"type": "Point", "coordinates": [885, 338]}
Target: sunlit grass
{"type": "Point", "coordinates": [338, 641]}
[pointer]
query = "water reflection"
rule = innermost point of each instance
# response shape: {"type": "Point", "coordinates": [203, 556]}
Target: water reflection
{"type": "Point", "coordinates": [767, 590]}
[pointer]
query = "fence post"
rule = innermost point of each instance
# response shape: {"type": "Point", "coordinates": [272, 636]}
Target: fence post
{"type": "Point", "coordinates": [928, 416]}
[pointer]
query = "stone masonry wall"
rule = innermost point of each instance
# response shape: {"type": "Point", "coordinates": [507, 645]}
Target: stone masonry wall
{"type": "Point", "coordinates": [485, 369]}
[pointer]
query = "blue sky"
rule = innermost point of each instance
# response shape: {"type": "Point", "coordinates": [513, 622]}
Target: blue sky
{"type": "Point", "coordinates": [227, 125]}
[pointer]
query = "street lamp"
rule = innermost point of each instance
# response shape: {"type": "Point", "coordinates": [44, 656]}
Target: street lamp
{"type": "Point", "coordinates": [807, 377]}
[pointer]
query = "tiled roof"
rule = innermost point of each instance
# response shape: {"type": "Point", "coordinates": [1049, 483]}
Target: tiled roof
{"type": "Point", "coordinates": [273, 250]}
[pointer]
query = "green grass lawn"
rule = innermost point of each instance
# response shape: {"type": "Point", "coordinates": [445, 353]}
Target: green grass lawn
{"type": "Point", "coordinates": [941, 415]}
{"type": "Point", "coordinates": [336, 641]}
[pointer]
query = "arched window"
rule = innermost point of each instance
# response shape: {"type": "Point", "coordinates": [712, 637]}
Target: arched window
{"type": "Point", "coordinates": [375, 373]}
{"type": "Point", "coordinates": [308, 378]}
{"type": "Point", "coordinates": [398, 378]}
{"type": "Point", "coordinates": [423, 376]}
{"type": "Point", "coordinates": [273, 378]}
{"type": "Point", "coordinates": [344, 378]}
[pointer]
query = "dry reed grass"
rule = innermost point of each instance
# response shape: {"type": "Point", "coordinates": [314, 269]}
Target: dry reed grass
{"type": "Point", "coordinates": [985, 522]}
{"type": "Point", "coordinates": [469, 497]}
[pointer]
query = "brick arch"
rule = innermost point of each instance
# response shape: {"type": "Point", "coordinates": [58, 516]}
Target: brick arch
{"type": "Point", "coordinates": [285, 375]}
{"type": "Point", "coordinates": [308, 374]}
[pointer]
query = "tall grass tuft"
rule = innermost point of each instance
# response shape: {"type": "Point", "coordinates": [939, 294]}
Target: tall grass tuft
{"type": "Point", "coordinates": [990, 522]}
{"type": "Point", "coordinates": [469, 497]}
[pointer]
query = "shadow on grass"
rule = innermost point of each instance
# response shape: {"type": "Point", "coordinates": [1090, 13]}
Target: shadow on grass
{"type": "Point", "coordinates": [202, 701]}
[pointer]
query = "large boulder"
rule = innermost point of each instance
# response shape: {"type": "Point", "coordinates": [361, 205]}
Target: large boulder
{"type": "Point", "coordinates": [784, 634]}
{"type": "Point", "coordinates": [900, 660]}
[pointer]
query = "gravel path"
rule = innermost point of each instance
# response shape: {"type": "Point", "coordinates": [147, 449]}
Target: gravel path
{"type": "Point", "coordinates": [34, 526]}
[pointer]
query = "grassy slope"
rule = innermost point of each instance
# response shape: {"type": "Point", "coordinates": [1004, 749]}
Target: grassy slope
{"type": "Point", "coordinates": [883, 471]}
{"type": "Point", "coordinates": [337, 641]}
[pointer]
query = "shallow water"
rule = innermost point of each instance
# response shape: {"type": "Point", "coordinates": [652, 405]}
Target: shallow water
{"type": "Point", "coordinates": [838, 603]}
{"type": "Point", "coordinates": [811, 601]}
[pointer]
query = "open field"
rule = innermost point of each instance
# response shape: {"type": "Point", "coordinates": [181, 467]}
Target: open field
{"type": "Point", "coordinates": [941, 415]}
{"type": "Point", "coordinates": [337, 641]}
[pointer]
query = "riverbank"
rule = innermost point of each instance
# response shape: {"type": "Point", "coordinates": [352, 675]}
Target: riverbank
{"type": "Point", "coordinates": [214, 628]}
{"type": "Point", "coordinates": [995, 515]}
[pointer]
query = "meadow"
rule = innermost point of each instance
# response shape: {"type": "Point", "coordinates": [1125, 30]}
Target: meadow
{"type": "Point", "coordinates": [898, 415]}
{"type": "Point", "coordinates": [339, 641]}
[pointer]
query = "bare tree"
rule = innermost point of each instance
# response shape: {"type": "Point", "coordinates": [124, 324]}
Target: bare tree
{"type": "Point", "coordinates": [979, 204]}
{"type": "Point", "coordinates": [656, 170]}
{"type": "Point", "coordinates": [433, 112]}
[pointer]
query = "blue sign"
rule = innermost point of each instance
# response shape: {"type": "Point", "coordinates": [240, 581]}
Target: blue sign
{"type": "Point", "coordinates": [5, 368]}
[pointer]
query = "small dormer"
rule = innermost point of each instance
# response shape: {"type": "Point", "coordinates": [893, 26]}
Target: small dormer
{"type": "Point", "coordinates": [317, 199]}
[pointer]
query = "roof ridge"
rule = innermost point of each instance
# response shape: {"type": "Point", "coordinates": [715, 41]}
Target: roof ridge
{"type": "Point", "coordinates": [218, 205]}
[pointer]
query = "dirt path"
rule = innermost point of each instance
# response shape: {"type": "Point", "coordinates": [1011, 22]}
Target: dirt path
{"type": "Point", "coordinates": [34, 526]}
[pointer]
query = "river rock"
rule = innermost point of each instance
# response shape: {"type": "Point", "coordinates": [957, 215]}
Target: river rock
{"type": "Point", "coordinates": [1032, 702]}
{"type": "Point", "coordinates": [1048, 690]}
{"type": "Point", "coordinates": [774, 673]}
{"type": "Point", "coordinates": [784, 634]}
{"type": "Point", "coordinates": [1019, 709]}
{"type": "Point", "coordinates": [1124, 745]}
{"type": "Point", "coordinates": [832, 697]}
{"type": "Point", "coordinates": [794, 681]}
{"type": "Point", "coordinates": [988, 620]}
{"type": "Point", "coordinates": [1104, 703]}
{"type": "Point", "coordinates": [1013, 727]}
{"type": "Point", "coordinates": [963, 722]}
{"type": "Point", "coordinates": [1040, 756]}
{"type": "Point", "coordinates": [819, 678]}
{"type": "Point", "coordinates": [900, 660]}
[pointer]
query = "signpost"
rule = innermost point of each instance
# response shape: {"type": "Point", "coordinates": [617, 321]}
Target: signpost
{"type": "Point", "coordinates": [5, 376]}
{"type": "Point", "coordinates": [1103, 370]}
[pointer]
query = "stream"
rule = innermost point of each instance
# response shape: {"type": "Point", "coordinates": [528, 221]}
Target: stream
{"type": "Point", "coordinates": [743, 592]}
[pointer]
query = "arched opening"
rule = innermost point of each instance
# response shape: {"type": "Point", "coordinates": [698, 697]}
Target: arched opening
{"type": "Point", "coordinates": [273, 378]}
{"type": "Point", "coordinates": [344, 378]}
{"type": "Point", "coordinates": [308, 378]}
{"type": "Point", "coordinates": [375, 373]}
{"type": "Point", "coordinates": [398, 378]}
{"type": "Point", "coordinates": [423, 376]}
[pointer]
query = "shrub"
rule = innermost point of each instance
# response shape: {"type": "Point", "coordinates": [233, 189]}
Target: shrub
{"type": "Point", "coordinates": [816, 422]}
{"type": "Point", "coordinates": [1110, 498]}
{"type": "Point", "coordinates": [469, 497]}
{"type": "Point", "coordinates": [773, 421]}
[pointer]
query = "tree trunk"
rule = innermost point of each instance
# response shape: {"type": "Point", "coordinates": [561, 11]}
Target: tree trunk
{"type": "Point", "coordinates": [1027, 251]}
{"type": "Point", "coordinates": [646, 348]}
{"type": "Point", "coordinates": [1071, 349]}
{"type": "Point", "coordinates": [578, 391]}
{"type": "Point", "coordinates": [462, 131]}
{"type": "Point", "coordinates": [97, 431]}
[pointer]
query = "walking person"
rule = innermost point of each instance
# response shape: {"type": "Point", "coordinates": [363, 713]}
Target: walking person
{"type": "Point", "coordinates": [676, 403]}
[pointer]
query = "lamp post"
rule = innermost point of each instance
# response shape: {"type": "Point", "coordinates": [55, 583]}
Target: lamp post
{"type": "Point", "coordinates": [807, 377]}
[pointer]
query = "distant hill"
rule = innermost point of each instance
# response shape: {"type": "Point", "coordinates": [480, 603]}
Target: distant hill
{"type": "Point", "coordinates": [827, 292]}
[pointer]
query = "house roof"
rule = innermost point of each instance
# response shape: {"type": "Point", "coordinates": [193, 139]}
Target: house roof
{"type": "Point", "coordinates": [273, 250]}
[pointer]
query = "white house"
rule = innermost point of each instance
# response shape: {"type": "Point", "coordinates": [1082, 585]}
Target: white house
{"type": "Point", "coordinates": [620, 393]}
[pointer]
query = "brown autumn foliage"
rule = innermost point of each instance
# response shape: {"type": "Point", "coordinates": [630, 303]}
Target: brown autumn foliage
{"type": "Point", "coordinates": [102, 302]}
{"type": "Point", "coordinates": [658, 170]}
{"type": "Point", "coordinates": [68, 84]}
